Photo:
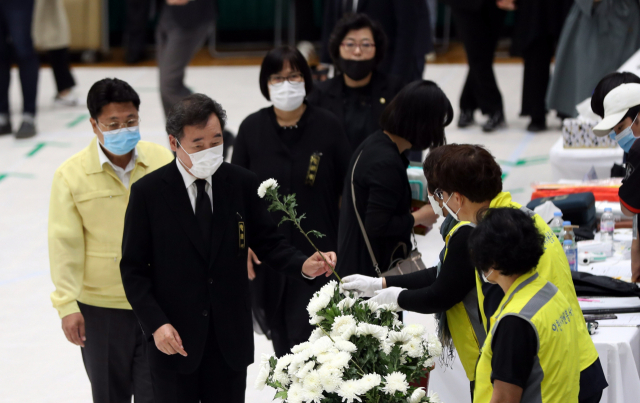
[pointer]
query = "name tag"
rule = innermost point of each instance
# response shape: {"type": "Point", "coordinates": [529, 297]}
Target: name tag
{"type": "Point", "coordinates": [241, 236]}
{"type": "Point", "coordinates": [312, 172]}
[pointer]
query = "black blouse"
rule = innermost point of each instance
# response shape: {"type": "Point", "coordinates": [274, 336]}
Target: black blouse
{"type": "Point", "coordinates": [383, 199]}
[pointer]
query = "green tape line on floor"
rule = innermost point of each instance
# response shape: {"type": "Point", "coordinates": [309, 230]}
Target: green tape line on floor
{"type": "Point", "coordinates": [37, 148]}
{"type": "Point", "coordinates": [541, 159]}
{"type": "Point", "coordinates": [77, 120]}
{"type": "Point", "coordinates": [16, 175]}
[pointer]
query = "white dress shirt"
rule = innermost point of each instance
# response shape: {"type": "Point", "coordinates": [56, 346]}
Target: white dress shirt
{"type": "Point", "coordinates": [192, 189]}
{"type": "Point", "coordinates": [123, 174]}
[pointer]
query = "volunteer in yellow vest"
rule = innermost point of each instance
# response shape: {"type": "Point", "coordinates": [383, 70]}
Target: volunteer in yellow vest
{"type": "Point", "coordinates": [447, 290]}
{"type": "Point", "coordinates": [466, 161]}
{"type": "Point", "coordinates": [89, 197]}
{"type": "Point", "coordinates": [531, 354]}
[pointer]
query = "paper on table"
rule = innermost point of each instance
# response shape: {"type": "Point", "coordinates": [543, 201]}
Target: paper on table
{"type": "Point", "coordinates": [624, 319]}
{"type": "Point", "coordinates": [613, 267]}
{"type": "Point", "coordinates": [609, 303]}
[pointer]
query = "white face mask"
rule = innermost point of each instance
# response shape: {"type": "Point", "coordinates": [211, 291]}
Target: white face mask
{"type": "Point", "coordinates": [454, 215]}
{"type": "Point", "coordinates": [436, 206]}
{"type": "Point", "coordinates": [205, 162]}
{"type": "Point", "coordinates": [485, 277]}
{"type": "Point", "coordinates": [287, 96]}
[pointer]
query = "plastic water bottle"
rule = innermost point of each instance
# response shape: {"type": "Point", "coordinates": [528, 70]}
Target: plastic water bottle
{"type": "Point", "coordinates": [568, 233]}
{"type": "Point", "coordinates": [572, 254]}
{"type": "Point", "coordinates": [556, 223]}
{"type": "Point", "coordinates": [607, 226]}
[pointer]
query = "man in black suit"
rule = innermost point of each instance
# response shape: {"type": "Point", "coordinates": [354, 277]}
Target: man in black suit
{"type": "Point", "coordinates": [187, 230]}
{"type": "Point", "coordinates": [406, 24]}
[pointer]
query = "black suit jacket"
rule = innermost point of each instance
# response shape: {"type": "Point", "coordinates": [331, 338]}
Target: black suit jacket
{"type": "Point", "coordinates": [171, 276]}
{"type": "Point", "coordinates": [406, 23]}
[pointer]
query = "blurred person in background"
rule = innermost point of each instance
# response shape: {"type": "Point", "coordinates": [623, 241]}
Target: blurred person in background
{"type": "Point", "coordinates": [406, 24]}
{"type": "Point", "coordinates": [51, 34]}
{"type": "Point", "coordinates": [597, 38]}
{"type": "Point", "coordinates": [478, 23]}
{"type": "Point", "coordinates": [182, 30]}
{"type": "Point", "coordinates": [16, 44]}
{"type": "Point", "coordinates": [305, 149]}
{"type": "Point", "coordinates": [135, 35]}
{"type": "Point", "coordinates": [537, 30]}
{"type": "Point", "coordinates": [415, 118]}
{"type": "Point", "coordinates": [359, 94]}
{"type": "Point", "coordinates": [89, 197]}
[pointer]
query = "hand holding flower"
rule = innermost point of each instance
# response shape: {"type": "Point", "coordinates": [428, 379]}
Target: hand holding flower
{"type": "Point", "coordinates": [316, 265]}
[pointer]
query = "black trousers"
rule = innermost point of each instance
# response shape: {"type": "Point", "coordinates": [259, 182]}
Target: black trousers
{"type": "Point", "coordinates": [136, 28]}
{"type": "Point", "coordinates": [537, 61]}
{"type": "Point", "coordinates": [213, 382]}
{"type": "Point", "coordinates": [16, 44]}
{"type": "Point", "coordinates": [479, 31]}
{"type": "Point", "coordinates": [115, 356]}
{"type": "Point", "coordinates": [59, 59]}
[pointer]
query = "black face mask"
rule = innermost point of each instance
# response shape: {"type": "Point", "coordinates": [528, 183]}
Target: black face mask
{"type": "Point", "coordinates": [357, 69]}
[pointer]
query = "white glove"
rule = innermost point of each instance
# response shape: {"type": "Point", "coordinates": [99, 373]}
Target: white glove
{"type": "Point", "coordinates": [388, 296]}
{"type": "Point", "coordinates": [364, 285]}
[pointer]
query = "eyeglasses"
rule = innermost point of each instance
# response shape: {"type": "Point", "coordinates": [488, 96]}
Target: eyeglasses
{"type": "Point", "coordinates": [117, 127]}
{"type": "Point", "coordinates": [292, 78]}
{"type": "Point", "coordinates": [365, 47]}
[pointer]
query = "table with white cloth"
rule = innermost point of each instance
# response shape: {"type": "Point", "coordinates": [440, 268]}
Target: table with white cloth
{"type": "Point", "coordinates": [575, 163]}
{"type": "Point", "coordinates": [618, 348]}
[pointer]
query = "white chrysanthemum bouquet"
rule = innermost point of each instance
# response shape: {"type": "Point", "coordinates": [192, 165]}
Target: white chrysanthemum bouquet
{"type": "Point", "coordinates": [360, 350]}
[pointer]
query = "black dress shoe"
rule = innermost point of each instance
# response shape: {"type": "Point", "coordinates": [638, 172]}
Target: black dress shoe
{"type": "Point", "coordinates": [26, 130]}
{"type": "Point", "coordinates": [5, 129]}
{"type": "Point", "coordinates": [537, 126]}
{"type": "Point", "coordinates": [466, 119]}
{"type": "Point", "coordinates": [495, 122]}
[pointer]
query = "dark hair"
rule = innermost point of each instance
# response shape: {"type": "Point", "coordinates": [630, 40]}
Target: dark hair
{"type": "Point", "coordinates": [609, 82]}
{"type": "Point", "coordinates": [273, 63]}
{"type": "Point", "coordinates": [352, 22]}
{"type": "Point", "coordinates": [429, 165]}
{"type": "Point", "coordinates": [107, 91]}
{"type": "Point", "coordinates": [418, 114]}
{"type": "Point", "coordinates": [469, 170]}
{"type": "Point", "coordinates": [506, 240]}
{"type": "Point", "coordinates": [193, 110]}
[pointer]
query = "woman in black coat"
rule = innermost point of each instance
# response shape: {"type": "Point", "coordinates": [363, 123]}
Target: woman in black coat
{"type": "Point", "coordinates": [304, 148]}
{"type": "Point", "coordinates": [359, 93]}
{"type": "Point", "coordinates": [415, 118]}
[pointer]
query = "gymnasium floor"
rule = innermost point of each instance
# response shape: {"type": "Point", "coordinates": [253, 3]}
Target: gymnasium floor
{"type": "Point", "coordinates": [38, 365]}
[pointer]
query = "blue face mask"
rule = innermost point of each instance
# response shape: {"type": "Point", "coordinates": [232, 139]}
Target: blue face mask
{"type": "Point", "coordinates": [626, 138]}
{"type": "Point", "coordinates": [121, 142]}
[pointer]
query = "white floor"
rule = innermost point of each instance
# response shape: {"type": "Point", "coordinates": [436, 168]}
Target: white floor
{"type": "Point", "coordinates": [37, 364]}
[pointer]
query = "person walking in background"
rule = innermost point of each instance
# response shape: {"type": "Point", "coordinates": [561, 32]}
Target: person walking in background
{"type": "Point", "coordinates": [537, 30]}
{"type": "Point", "coordinates": [478, 23]}
{"type": "Point", "coordinates": [89, 197]}
{"type": "Point", "coordinates": [182, 29]}
{"type": "Point", "coordinates": [360, 93]}
{"type": "Point", "coordinates": [51, 33]}
{"type": "Point", "coordinates": [597, 38]}
{"type": "Point", "coordinates": [16, 17]}
{"type": "Point", "coordinates": [135, 35]}
{"type": "Point", "coordinates": [406, 24]}
{"type": "Point", "coordinates": [305, 149]}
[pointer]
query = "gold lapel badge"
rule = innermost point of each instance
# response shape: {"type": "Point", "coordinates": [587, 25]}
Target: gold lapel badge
{"type": "Point", "coordinates": [312, 172]}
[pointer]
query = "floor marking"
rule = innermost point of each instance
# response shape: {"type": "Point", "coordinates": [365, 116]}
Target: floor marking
{"type": "Point", "coordinates": [515, 155]}
{"type": "Point", "coordinates": [541, 159]}
{"type": "Point", "coordinates": [77, 120]}
{"type": "Point", "coordinates": [35, 150]}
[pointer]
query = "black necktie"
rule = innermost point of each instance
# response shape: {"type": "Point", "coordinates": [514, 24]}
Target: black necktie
{"type": "Point", "coordinates": [204, 215]}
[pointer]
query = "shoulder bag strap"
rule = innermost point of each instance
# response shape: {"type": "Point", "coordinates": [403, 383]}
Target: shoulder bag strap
{"type": "Point", "coordinates": [364, 233]}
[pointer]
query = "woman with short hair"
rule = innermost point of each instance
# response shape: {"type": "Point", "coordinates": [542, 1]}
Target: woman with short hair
{"type": "Point", "coordinates": [304, 148]}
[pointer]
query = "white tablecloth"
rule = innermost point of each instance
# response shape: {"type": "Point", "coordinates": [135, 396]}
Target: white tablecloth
{"type": "Point", "coordinates": [574, 163]}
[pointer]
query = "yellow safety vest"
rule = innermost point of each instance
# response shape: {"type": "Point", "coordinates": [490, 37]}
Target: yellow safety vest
{"type": "Point", "coordinates": [555, 376]}
{"type": "Point", "coordinates": [553, 267]}
{"type": "Point", "coordinates": [464, 321]}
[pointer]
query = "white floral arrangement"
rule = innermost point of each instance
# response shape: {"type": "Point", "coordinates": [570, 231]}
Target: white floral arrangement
{"type": "Point", "coordinates": [360, 351]}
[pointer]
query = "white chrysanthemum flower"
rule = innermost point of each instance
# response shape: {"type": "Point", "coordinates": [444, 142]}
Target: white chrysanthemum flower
{"type": "Point", "coordinates": [434, 398]}
{"type": "Point", "coordinates": [322, 345]}
{"type": "Point", "coordinates": [329, 289]}
{"type": "Point", "coordinates": [341, 324]}
{"type": "Point", "coordinates": [414, 348]}
{"type": "Point", "coordinates": [434, 345]}
{"type": "Point", "coordinates": [340, 360]}
{"type": "Point", "coordinates": [308, 367]}
{"type": "Point", "coordinates": [315, 319]}
{"type": "Point", "coordinates": [348, 332]}
{"type": "Point", "coordinates": [397, 324]}
{"type": "Point", "coordinates": [301, 347]}
{"type": "Point", "coordinates": [417, 395]}
{"type": "Point", "coordinates": [366, 329]}
{"type": "Point", "coordinates": [325, 357]}
{"type": "Point", "coordinates": [372, 305]}
{"type": "Point", "coordinates": [313, 394]}
{"type": "Point", "coordinates": [386, 347]}
{"type": "Point", "coordinates": [429, 362]}
{"type": "Point", "coordinates": [295, 394]}
{"type": "Point", "coordinates": [330, 377]}
{"type": "Point", "coordinates": [395, 382]}
{"type": "Point", "coordinates": [312, 380]}
{"type": "Point", "coordinates": [279, 373]}
{"type": "Point", "coordinates": [369, 382]}
{"type": "Point", "coordinates": [415, 330]}
{"type": "Point", "coordinates": [344, 345]}
{"type": "Point", "coordinates": [263, 375]}
{"type": "Point", "coordinates": [349, 391]}
{"type": "Point", "coordinates": [316, 334]}
{"type": "Point", "coordinates": [266, 185]}
{"type": "Point", "coordinates": [346, 303]}
{"type": "Point", "coordinates": [399, 337]}
{"type": "Point", "coordinates": [317, 303]}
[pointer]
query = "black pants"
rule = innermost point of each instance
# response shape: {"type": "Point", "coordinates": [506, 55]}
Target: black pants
{"type": "Point", "coordinates": [115, 356]}
{"type": "Point", "coordinates": [16, 44]}
{"type": "Point", "coordinates": [59, 59]}
{"type": "Point", "coordinates": [537, 61]}
{"type": "Point", "coordinates": [136, 29]}
{"type": "Point", "coordinates": [213, 382]}
{"type": "Point", "coordinates": [479, 31]}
